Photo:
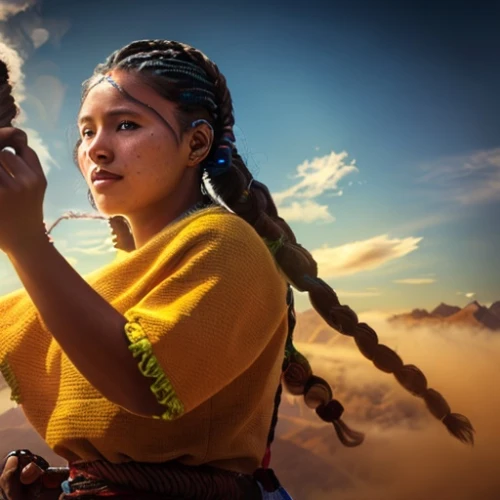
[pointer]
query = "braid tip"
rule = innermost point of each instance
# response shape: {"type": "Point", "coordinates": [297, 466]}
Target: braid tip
{"type": "Point", "coordinates": [346, 435]}
{"type": "Point", "coordinates": [460, 427]}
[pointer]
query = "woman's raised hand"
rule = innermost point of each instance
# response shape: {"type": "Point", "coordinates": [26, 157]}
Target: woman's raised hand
{"type": "Point", "coordinates": [20, 485]}
{"type": "Point", "coordinates": [22, 190]}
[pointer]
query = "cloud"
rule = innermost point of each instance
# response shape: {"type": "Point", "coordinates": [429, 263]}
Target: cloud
{"type": "Point", "coordinates": [27, 29]}
{"type": "Point", "coordinates": [470, 294]}
{"type": "Point", "coordinates": [9, 8]}
{"type": "Point", "coordinates": [23, 30]}
{"type": "Point", "coordinates": [16, 77]}
{"type": "Point", "coordinates": [306, 211]}
{"type": "Point", "coordinates": [407, 453]}
{"type": "Point", "coordinates": [467, 179]}
{"type": "Point", "coordinates": [415, 281]}
{"type": "Point", "coordinates": [315, 178]}
{"type": "Point", "coordinates": [36, 143]}
{"type": "Point", "coordinates": [369, 292]}
{"type": "Point", "coordinates": [360, 256]}
{"type": "Point", "coordinates": [39, 37]}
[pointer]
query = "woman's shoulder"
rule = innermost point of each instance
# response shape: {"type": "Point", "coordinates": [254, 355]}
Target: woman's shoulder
{"type": "Point", "coordinates": [218, 222]}
{"type": "Point", "coordinates": [227, 233]}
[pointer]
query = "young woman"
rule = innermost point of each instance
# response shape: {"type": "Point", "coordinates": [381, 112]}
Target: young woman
{"type": "Point", "coordinates": [159, 375]}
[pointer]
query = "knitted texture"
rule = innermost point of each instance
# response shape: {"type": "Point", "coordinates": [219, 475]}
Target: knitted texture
{"type": "Point", "coordinates": [209, 303]}
{"type": "Point", "coordinates": [141, 347]}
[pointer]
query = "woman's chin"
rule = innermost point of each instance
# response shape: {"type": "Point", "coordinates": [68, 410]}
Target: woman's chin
{"type": "Point", "coordinates": [107, 208]}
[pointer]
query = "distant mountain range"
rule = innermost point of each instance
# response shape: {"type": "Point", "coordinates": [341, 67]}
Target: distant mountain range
{"type": "Point", "coordinates": [312, 329]}
{"type": "Point", "coordinates": [473, 314]}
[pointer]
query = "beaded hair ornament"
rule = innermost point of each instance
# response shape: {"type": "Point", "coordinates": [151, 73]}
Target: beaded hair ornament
{"type": "Point", "coordinates": [220, 161]}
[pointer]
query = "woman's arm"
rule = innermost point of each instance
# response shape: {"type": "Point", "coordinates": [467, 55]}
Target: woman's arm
{"type": "Point", "coordinates": [88, 329]}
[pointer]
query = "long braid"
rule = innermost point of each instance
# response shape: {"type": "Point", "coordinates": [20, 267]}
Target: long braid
{"type": "Point", "coordinates": [257, 207]}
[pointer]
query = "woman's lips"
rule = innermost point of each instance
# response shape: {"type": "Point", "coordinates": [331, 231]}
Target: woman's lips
{"type": "Point", "coordinates": [102, 174]}
{"type": "Point", "coordinates": [104, 183]}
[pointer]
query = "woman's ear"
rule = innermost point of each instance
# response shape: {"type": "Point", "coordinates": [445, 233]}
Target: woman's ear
{"type": "Point", "coordinates": [200, 142]}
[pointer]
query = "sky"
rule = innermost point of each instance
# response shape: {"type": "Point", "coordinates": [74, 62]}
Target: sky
{"type": "Point", "coordinates": [375, 127]}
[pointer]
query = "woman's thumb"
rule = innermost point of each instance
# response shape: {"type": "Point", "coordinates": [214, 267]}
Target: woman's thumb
{"type": "Point", "coordinates": [30, 473]}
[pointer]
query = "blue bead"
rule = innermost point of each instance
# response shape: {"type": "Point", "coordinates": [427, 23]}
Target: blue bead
{"type": "Point", "coordinates": [66, 487]}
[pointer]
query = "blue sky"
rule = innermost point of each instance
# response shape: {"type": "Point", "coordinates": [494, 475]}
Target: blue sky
{"type": "Point", "coordinates": [375, 127]}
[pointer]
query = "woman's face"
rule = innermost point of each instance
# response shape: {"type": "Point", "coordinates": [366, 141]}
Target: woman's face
{"type": "Point", "coordinates": [130, 140]}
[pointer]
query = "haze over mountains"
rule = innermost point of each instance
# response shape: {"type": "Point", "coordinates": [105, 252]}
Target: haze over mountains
{"type": "Point", "coordinates": [407, 453]}
{"type": "Point", "coordinates": [473, 314]}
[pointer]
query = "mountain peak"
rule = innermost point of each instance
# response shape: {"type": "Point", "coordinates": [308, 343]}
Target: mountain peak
{"type": "Point", "coordinates": [474, 305]}
{"type": "Point", "coordinates": [495, 308]}
{"type": "Point", "coordinates": [473, 314]}
{"type": "Point", "coordinates": [444, 310]}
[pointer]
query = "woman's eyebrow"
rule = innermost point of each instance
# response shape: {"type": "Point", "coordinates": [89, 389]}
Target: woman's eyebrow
{"type": "Point", "coordinates": [113, 112]}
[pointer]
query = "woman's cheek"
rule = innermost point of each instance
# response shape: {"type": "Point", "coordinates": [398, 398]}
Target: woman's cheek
{"type": "Point", "coordinates": [81, 164]}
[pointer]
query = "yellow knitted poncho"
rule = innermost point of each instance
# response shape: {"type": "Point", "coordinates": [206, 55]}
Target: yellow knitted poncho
{"type": "Point", "coordinates": [206, 306]}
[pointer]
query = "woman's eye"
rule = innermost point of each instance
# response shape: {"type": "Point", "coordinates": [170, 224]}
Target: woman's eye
{"type": "Point", "coordinates": [127, 125]}
{"type": "Point", "coordinates": [124, 125]}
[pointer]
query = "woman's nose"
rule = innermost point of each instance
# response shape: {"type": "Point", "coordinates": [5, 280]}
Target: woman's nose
{"type": "Point", "coordinates": [100, 150]}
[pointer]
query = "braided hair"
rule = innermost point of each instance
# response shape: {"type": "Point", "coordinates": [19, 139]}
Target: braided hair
{"type": "Point", "coordinates": [186, 76]}
{"type": "Point", "coordinates": [8, 108]}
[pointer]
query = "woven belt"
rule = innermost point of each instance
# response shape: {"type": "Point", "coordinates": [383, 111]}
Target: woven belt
{"type": "Point", "coordinates": [143, 481]}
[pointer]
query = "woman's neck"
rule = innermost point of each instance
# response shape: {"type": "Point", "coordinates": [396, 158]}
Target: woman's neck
{"type": "Point", "coordinates": [145, 228]}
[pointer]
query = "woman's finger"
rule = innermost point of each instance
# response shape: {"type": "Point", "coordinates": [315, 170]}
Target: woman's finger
{"type": "Point", "coordinates": [8, 479]}
{"type": "Point", "coordinates": [16, 167]}
{"type": "Point", "coordinates": [7, 182]}
{"type": "Point", "coordinates": [14, 138]}
{"type": "Point", "coordinates": [18, 140]}
{"type": "Point", "coordinates": [7, 179]}
{"type": "Point", "coordinates": [10, 466]}
{"type": "Point", "coordinates": [5, 167]}
{"type": "Point", "coordinates": [30, 473]}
